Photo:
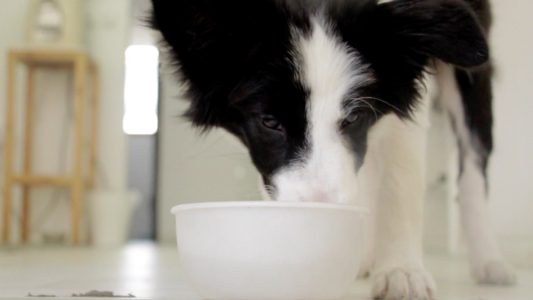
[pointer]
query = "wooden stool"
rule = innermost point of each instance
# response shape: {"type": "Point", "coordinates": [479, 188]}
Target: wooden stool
{"type": "Point", "coordinates": [76, 181]}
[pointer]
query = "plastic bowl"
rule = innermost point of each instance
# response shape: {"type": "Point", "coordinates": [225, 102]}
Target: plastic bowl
{"type": "Point", "coordinates": [270, 250]}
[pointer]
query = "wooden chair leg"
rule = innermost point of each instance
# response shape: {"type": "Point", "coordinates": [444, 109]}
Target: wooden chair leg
{"type": "Point", "coordinates": [95, 94]}
{"type": "Point", "coordinates": [77, 201]}
{"type": "Point", "coordinates": [8, 150]}
{"type": "Point", "coordinates": [78, 182]}
{"type": "Point", "coordinates": [6, 228]}
{"type": "Point", "coordinates": [28, 148]}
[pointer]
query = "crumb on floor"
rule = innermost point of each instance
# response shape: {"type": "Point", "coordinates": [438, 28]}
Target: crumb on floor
{"type": "Point", "coordinates": [91, 294]}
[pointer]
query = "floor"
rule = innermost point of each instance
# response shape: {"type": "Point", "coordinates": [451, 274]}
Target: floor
{"type": "Point", "coordinates": [151, 272]}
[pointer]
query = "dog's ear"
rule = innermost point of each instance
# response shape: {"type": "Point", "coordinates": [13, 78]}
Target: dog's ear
{"type": "Point", "coordinates": [399, 38]}
{"type": "Point", "coordinates": [216, 44]}
{"type": "Point", "coordinates": [445, 29]}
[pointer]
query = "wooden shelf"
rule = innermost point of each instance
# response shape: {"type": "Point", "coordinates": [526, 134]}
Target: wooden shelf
{"type": "Point", "coordinates": [50, 57]}
{"type": "Point", "coordinates": [85, 100]}
{"type": "Point", "coordinates": [44, 180]}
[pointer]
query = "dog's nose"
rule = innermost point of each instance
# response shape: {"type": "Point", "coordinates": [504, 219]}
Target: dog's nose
{"type": "Point", "coordinates": [320, 196]}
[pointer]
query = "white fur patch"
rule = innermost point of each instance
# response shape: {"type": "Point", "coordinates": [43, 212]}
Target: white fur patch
{"type": "Point", "coordinates": [330, 71]}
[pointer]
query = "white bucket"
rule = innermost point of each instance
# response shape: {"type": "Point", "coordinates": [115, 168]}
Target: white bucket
{"type": "Point", "coordinates": [110, 217]}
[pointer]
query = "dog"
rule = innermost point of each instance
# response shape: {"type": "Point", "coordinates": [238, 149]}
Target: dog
{"type": "Point", "coordinates": [331, 99]}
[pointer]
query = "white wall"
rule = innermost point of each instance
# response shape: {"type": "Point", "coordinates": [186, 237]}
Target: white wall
{"type": "Point", "coordinates": [13, 15]}
{"type": "Point", "coordinates": [107, 36]}
{"type": "Point", "coordinates": [511, 170]}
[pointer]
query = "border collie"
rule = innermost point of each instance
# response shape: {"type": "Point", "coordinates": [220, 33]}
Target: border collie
{"type": "Point", "coordinates": [331, 98]}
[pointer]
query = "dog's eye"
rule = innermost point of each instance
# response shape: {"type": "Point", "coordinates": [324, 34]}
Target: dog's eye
{"type": "Point", "coordinates": [271, 123]}
{"type": "Point", "coordinates": [349, 120]}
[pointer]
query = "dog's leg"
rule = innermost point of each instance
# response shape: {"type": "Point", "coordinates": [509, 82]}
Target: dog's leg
{"type": "Point", "coordinates": [468, 96]}
{"type": "Point", "coordinates": [397, 149]}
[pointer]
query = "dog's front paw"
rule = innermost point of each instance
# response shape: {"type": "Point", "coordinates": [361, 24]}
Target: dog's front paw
{"type": "Point", "coordinates": [493, 272]}
{"type": "Point", "coordinates": [403, 284]}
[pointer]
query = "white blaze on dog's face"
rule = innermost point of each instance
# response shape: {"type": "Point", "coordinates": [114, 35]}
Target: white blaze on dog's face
{"type": "Point", "coordinates": [331, 73]}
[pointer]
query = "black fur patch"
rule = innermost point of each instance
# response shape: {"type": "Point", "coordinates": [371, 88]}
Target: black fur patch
{"type": "Point", "coordinates": [476, 92]}
{"type": "Point", "coordinates": [235, 57]}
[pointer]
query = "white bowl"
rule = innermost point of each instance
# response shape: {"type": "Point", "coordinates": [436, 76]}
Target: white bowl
{"type": "Point", "coordinates": [270, 250]}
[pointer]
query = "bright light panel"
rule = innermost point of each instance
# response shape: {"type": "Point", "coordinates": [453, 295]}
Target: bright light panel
{"type": "Point", "coordinates": [141, 90]}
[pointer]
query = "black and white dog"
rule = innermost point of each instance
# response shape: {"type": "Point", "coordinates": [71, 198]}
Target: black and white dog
{"type": "Point", "coordinates": [331, 98]}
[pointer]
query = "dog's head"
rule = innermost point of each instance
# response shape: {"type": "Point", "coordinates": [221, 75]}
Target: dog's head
{"type": "Point", "coordinates": [301, 83]}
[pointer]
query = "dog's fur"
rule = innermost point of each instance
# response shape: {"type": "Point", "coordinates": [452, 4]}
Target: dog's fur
{"type": "Point", "coordinates": [331, 98]}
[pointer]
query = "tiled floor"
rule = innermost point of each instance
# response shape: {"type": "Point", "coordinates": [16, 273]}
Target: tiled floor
{"type": "Point", "coordinates": [152, 272]}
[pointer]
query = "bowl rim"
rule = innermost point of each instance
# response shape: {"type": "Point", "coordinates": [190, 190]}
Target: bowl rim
{"type": "Point", "coordinates": [269, 204]}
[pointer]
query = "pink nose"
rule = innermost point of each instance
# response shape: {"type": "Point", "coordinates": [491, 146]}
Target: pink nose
{"type": "Point", "coordinates": [320, 196]}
